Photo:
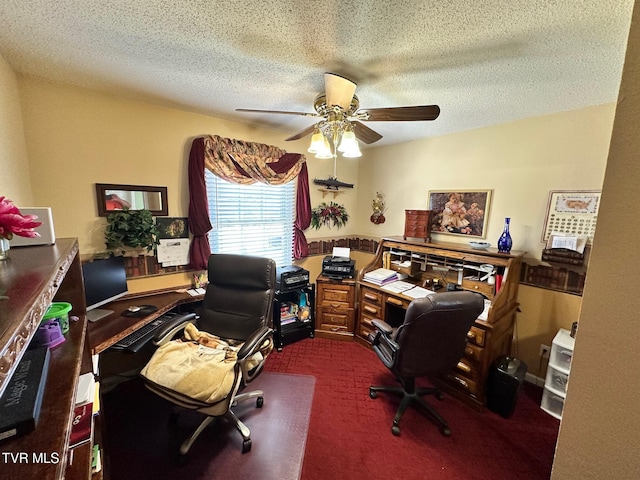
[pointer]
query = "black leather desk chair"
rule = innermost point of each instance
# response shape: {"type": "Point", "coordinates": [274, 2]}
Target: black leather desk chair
{"type": "Point", "coordinates": [237, 305]}
{"type": "Point", "coordinates": [430, 341]}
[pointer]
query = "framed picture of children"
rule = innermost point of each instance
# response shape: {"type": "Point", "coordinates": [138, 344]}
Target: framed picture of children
{"type": "Point", "coordinates": [460, 212]}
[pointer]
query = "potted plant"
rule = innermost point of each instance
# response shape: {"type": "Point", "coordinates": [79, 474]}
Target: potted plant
{"type": "Point", "coordinates": [131, 228]}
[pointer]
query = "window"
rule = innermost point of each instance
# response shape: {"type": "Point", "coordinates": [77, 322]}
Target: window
{"type": "Point", "coordinates": [252, 219]}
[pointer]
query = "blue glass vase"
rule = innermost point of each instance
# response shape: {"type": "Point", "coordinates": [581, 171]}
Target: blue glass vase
{"type": "Point", "coordinates": [505, 242]}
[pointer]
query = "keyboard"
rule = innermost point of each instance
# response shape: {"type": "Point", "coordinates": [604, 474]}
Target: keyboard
{"type": "Point", "coordinates": [138, 339]}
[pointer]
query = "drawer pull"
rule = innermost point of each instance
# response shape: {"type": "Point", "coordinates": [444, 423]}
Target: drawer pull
{"type": "Point", "coordinates": [370, 309]}
{"type": "Point", "coordinates": [470, 334]}
{"type": "Point", "coordinates": [371, 297]}
{"type": "Point", "coordinates": [334, 329]}
{"type": "Point", "coordinates": [335, 305]}
{"type": "Point", "coordinates": [461, 382]}
{"type": "Point", "coordinates": [394, 301]}
{"type": "Point", "coordinates": [464, 367]}
{"type": "Point", "coordinates": [468, 351]}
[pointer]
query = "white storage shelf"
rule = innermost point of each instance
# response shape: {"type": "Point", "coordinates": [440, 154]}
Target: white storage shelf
{"type": "Point", "coordinates": [555, 385]}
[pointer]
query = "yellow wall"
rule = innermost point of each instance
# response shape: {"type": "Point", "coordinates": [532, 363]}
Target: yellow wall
{"type": "Point", "coordinates": [15, 182]}
{"type": "Point", "coordinates": [520, 162]}
{"type": "Point", "coordinates": [76, 137]}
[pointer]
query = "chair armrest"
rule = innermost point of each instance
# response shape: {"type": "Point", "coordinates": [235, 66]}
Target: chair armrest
{"type": "Point", "coordinates": [169, 329]}
{"type": "Point", "coordinates": [382, 343]}
{"type": "Point", "coordinates": [254, 342]}
{"type": "Point", "coordinates": [382, 326]}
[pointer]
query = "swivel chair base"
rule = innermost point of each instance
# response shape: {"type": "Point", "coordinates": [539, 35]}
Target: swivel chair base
{"type": "Point", "coordinates": [412, 397]}
{"type": "Point", "coordinates": [230, 415]}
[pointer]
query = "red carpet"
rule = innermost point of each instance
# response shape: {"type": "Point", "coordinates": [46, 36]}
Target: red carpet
{"type": "Point", "coordinates": [350, 433]}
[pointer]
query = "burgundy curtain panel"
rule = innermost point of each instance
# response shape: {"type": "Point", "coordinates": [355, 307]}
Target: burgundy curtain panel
{"type": "Point", "coordinates": [199, 222]}
{"type": "Point", "coordinates": [242, 162]}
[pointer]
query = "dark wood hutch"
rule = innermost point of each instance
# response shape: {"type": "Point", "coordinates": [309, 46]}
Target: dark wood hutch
{"type": "Point", "coordinates": [30, 280]}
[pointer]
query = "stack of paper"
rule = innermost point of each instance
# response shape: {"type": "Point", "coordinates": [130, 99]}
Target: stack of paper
{"type": "Point", "coordinates": [398, 287]}
{"type": "Point", "coordinates": [418, 292]}
{"type": "Point", "coordinates": [381, 276]}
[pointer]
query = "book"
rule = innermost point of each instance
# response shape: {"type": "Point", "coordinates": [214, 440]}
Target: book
{"type": "Point", "coordinates": [82, 425]}
{"type": "Point", "coordinates": [381, 276]}
{"type": "Point", "coordinates": [21, 401]}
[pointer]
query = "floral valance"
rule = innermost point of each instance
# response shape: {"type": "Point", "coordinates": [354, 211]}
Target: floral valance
{"type": "Point", "coordinates": [244, 163]}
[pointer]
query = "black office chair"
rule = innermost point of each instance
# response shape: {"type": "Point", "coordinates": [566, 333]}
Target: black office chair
{"type": "Point", "coordinates": [430, 341]}
{"type": "Point", "coordinates": [237, 307]}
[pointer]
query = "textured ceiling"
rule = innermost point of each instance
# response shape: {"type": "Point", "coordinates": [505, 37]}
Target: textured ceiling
{"type": "Point", "coordinates": [482, 62]}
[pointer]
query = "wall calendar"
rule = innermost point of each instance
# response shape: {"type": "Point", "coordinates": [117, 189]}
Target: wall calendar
{"type": "Point", "coordinates": [572, 213]}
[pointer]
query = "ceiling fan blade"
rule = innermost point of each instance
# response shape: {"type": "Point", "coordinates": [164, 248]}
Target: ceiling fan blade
{"type": "Point", "coordinates": [364, 133]}
{"type": "Point", "coordinates": [399, 114]}
{"type": "Point", "coordinates": [339, 90]}
{"type": "Point", "coordinates": [304, 114]}
{"type": "Point", "coordinates": [302, 133]}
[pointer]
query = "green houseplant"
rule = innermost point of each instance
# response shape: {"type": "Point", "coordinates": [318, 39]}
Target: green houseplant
{"type": "Point", "coordinates": [131, 228]}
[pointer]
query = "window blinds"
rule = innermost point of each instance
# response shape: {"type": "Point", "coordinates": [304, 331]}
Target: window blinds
{"type": "Point", "coordinates": [254, 219]}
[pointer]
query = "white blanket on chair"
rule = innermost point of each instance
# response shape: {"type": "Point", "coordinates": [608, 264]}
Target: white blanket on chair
{"type": "Point", "coordinates": [199, 367]}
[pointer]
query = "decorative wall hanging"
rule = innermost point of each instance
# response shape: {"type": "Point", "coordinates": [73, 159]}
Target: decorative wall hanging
{"type": "Point", "coordinates": [329, 214]}
{"type": "Point", "coordinates": [572, 213]}
{"type": "Point", "coordinates": [460, 212]}
{"type": "Point", "coordinates": [378, 209]}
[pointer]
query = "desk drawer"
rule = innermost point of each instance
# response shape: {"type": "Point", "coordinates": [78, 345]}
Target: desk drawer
{"type": "Point", "coordinates": [372, 310]}
{"type": "Point", "coordinates": [336, 295]}
{"type": "Point", "coordinates": [463, 383]}
{"type": "Point", "coordinates": [398, 302]}
{"type": "Point", "coordinates": [371, 296]}
{"type": "Point", "coordinates": [335, 320]}
{"type": "Point", "coordinates": [476, 336]}
{"type": "Point", "coordinates": [473, 352]}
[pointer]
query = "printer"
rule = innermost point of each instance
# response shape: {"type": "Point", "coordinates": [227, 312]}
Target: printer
{"type": "Point", "coordinates": [338, 267]}
{"type": "Point", "coordinates": [291, 278]}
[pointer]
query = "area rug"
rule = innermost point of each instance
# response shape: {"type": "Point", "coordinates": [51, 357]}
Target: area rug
{"type": "Point", "coordinates": [139, 443]}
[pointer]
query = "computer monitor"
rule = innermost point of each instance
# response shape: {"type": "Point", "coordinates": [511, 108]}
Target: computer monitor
{"type": "Point", "coordinates": [105, 280]}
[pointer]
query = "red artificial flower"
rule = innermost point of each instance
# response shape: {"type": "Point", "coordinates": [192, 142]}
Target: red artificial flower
{"type": "Point", "coordinates": [12, 222]}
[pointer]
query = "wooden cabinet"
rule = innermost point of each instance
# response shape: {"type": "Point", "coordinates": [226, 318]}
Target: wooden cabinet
{"type": "Point", "coordinates": [442, 264]}
{"type": "Point", "coordinates": [417, 224]}
{"type": "Point", "coordinates": [30, 280]}
{"type": "Point", "coordinates": [335, 308]}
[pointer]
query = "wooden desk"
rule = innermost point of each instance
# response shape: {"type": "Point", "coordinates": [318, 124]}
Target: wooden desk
{"type": "Point", "coordinates": [114, 327]}
{"type": "Point", "coordinates": [488, 339]}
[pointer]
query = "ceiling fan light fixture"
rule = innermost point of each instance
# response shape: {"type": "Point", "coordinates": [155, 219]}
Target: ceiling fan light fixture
{"type": "Point", "coordinates": [348, 142]}
{"type": "Point", "coordinates": [324, 150]}
{"type": "Point", "coordinates": [317, 142]}
{"type": "Point", "coordinates": [353, 150]}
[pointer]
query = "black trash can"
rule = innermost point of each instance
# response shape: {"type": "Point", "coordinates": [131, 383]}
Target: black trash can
{"type": "Point", "coordinates": [504, 385]}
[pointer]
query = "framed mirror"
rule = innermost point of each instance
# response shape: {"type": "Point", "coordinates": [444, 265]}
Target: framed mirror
{"type": "Point", "coordinates": [113, 197]}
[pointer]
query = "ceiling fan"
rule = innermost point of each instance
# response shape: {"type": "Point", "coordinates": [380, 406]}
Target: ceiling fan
{"type": "Point", "coordinates": [338, 109]}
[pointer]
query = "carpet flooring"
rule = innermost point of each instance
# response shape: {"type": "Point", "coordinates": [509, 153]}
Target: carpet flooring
{"type": "Point", "coordinates": [141, 445]}
{"type": "Point", "coordinates": [350, 433]}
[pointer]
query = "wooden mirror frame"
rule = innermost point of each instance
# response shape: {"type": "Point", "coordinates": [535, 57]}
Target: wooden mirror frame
{"type": "Point", "coordinates": [102, 188]}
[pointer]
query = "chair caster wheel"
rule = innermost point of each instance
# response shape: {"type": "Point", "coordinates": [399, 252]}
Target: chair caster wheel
{"type": "Point", "coordinates": [446, 431]}
{"type": "Point", "coordinates": [259, 402]}
{"type": "Point", "coordinates": [395, 430]}
{"type": "Point", "coordinates": [246, 445]}
{"type": "Point", "coordinates": [373, 393]}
